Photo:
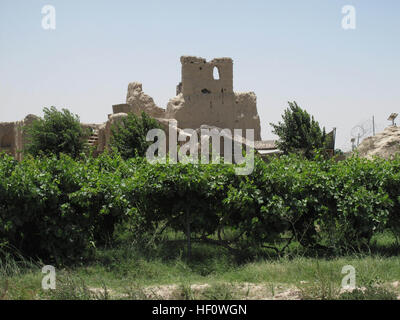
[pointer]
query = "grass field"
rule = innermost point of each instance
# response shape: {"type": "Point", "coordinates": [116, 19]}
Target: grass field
{"type": "Point", "coordinates": [162, 272]}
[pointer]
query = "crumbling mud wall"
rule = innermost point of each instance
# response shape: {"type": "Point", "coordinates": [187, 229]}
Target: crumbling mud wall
{"type": "Point", "coordinates": [204, 99]}
{"type": "Point", "coordinates": [104, 130]}
{"type": "Point", "coordinates": [8, 141]}
{"type": "Point", "coordinates": [137, 101]}
{"type": "Point", "coordinates": [13, 137]}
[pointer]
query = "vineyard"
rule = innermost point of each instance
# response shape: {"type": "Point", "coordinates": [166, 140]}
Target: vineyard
{"type": "Point", "coordinates": [60, 210]}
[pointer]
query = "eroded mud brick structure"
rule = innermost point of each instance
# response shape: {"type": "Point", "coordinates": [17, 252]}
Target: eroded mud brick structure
{"type": "Point", "coordinates": [203, 99]}
{"type": "Point", "coordinates": [205, 96]}
{"type": "Point", "coordinates": [13, 137]}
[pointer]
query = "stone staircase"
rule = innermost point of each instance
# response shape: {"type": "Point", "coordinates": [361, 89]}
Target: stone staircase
{"type": "Point", "coordinates": [93, 140]}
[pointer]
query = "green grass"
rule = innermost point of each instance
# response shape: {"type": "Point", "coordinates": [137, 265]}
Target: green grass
{"type": "Point", "coordinates": [126, 272]}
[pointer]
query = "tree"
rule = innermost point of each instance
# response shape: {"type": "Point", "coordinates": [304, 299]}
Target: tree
{"type": "Point", "coordinates": [299, 132]}
{"type": "Point", "coordinates": [58, 132]}
{"type": "Point", "coordinates": [129, 135]}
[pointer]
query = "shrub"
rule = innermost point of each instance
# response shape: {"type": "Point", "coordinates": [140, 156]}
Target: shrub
{"type": "Point", "coordinates": [58, 132]}
{"type": "Point", "coordinates": [129, 136]}
{"type": "Point", "coordinates": [184, 197]}
{"type": "Point", "coordinates": [57, 209]}
{"type": "Point", "coordinates": [299, 132]}
{"type": "Point", "coordinates": [321, 203]}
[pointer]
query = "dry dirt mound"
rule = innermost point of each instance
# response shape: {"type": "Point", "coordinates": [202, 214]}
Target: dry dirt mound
{"type": "Point", "coordinates": [385, 144]}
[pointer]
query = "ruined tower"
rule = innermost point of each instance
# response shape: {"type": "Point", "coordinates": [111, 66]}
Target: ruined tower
{"type": "Point", "coordinates": [206, 97]}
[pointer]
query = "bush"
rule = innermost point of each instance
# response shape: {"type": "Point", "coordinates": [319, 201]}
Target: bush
{"type": "Point", "coordinates": [299, 132]}
{"type": "Point", "coordinates": [129, 136]}
{"type": "Point", "coordinates": [58, 209]}
{"type": "Point", "coordinates": [61, 208]}
{"type": "Point", "coordinates": [320, 203]}
{"type": "Point", "coordinates": [58, 132]}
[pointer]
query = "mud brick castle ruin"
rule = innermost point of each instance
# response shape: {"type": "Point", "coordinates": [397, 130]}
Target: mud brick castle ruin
{"type": "Point", "coordinates": [200, 100]}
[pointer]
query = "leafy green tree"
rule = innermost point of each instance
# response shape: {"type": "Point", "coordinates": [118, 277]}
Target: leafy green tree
{"type": "Point", "coordinates": [129, 135]}
{"type": "Point", "coordinates": [299, 132]}
{"type": "Point", "coordinates": [58, 132]}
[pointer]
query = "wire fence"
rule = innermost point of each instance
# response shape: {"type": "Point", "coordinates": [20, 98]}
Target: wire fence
{"type": "Point", "coordinates": [365, 129]}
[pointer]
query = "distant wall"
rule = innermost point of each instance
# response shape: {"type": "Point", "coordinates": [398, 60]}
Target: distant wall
{"type": "Point", "coordinates": [8, 135]}
{"type": "Point", "coordinates": [13, 138]}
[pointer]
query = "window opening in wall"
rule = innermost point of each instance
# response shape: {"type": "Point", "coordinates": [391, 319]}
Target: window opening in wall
{"type": "Point", "coordinates": [216, 73]}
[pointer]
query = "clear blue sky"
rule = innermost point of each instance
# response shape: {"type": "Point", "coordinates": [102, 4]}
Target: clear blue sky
{"type": "Point", "coordinates": [283, 50]}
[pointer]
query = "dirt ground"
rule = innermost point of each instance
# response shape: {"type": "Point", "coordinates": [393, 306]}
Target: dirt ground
{"type": "Point", "coordinates": [242, 291]}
